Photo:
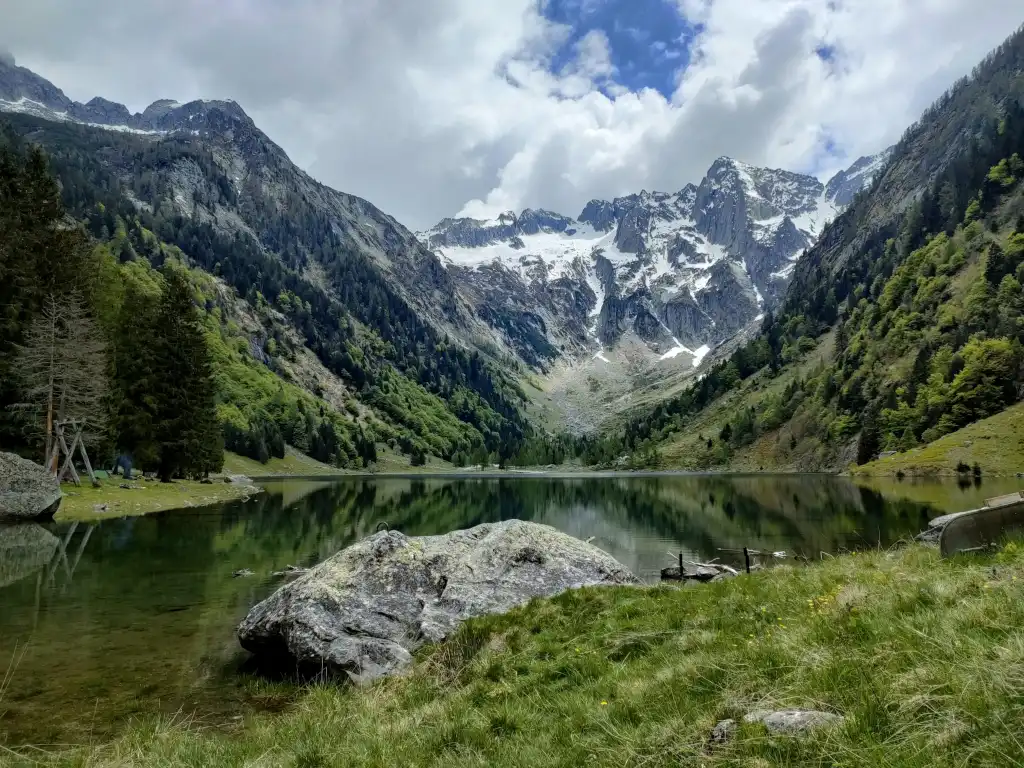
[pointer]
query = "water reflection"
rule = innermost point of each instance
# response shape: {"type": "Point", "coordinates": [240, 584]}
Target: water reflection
{"type": "Point", "coordinates": [129, 617]}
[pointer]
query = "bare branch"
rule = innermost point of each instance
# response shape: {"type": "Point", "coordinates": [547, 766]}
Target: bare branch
{"type": "Point", "coordinates": [62, 367]}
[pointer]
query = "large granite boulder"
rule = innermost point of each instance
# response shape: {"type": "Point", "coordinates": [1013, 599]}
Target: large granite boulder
{"type": "Point", "coordinates": [27, 491]}
{"type": "Point", "coordinates": [24, 549]}
{"type": "Point", "coordinates": [364, 610]}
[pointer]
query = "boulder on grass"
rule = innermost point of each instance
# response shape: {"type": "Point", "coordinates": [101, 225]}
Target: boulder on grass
{"type": "Point", "coordinates": [366, 609]}
{"type": "Point", "coordinates": [27, 491]}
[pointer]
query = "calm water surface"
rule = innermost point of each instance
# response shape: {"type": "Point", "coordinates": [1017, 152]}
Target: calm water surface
{"type": "Point", "coordinates": [101, 623]}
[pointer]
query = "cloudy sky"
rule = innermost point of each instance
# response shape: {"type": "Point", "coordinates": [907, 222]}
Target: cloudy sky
{"type": "Point", "coordinates": [430, 108]}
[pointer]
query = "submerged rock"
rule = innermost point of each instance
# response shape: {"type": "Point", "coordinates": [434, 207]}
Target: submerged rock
{"type": "Point", "coordinates": [364, 610]}
{"type": "Point", "coordinates": [27, 491]}
{"type": "Point", "coordinates": [24, 549]}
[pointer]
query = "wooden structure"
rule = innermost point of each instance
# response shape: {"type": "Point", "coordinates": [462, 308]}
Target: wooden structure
{"type": "Point", "coordinates": [60, 449]}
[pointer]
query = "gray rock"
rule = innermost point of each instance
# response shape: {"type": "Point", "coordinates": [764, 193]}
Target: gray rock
{"type": "Point", "coordinates": [24, 549]}
{"type": "Point", "coordinates": [366, 609]}
{"type": "Point", "coordinates": [533, 221]}
{"type": "Point", "coordinates": [27, 491]}
{"type": "Point", "coordinates": [600, 214]}
{"type": "Point", "coordinates": [722, 732]}
{"type": "Point", "coordinates": [792, 721]}
{"type": "Point", "coordinates": [633, 227]}
{"type": "Point", "coordinates": [844, 186]}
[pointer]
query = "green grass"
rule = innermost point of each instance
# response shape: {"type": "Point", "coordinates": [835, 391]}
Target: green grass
{"type": "Point", "coordinates": [923, 657]}
{"type": "Point", "coordinates": [996, 444]}
{"type": "Point", "coordinates": [142, 498]}
{"type": "Point", "coordinates": [293, 463]}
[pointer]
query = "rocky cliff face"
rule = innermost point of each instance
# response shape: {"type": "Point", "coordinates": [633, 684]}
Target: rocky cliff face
{"type": "Point", "coordinates": [683, 271]}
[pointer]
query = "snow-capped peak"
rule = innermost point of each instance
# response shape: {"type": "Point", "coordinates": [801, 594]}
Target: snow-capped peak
{"type": "Point", "coordinates": [683, 271]}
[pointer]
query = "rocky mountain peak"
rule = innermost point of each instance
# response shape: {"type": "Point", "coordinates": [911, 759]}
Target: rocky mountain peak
{"type": "Point", "coordinates": [22, 90]}
{"type": "Point", "coordinates": [533, 221]}
{"type": "Point", "coordinates": [686, 269]}
{"type": "Point", "coordinates": [20, 86]}
{"type": "Point", "coordinates": [842, 187]}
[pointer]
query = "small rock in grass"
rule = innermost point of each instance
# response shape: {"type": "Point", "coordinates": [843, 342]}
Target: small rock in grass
{"type": "Point", "coordinates": [792, 721]}
{"type": "Point", "coordinates": [722, 732]}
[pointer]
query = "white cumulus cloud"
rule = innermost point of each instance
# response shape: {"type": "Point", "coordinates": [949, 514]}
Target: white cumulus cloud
{"type": "Point", "coordinates": [431, 107]}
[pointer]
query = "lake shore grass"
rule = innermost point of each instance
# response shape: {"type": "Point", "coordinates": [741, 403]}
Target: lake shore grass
{"type": "Point", "coordinates": [923, 658]}
{"type": "Point", "coordinates": [143, 497]}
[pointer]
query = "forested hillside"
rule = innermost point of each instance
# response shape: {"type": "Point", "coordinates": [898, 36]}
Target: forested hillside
{"type": "Point", "coordinates": [902, 324]}
{"type": "Point", "coordinates": [310, 344]}
{"type": "Point", "coordinates": [336, 355]}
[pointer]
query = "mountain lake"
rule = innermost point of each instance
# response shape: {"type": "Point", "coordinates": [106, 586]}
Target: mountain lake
{"type": "Point", "coordinates": [129, 618]}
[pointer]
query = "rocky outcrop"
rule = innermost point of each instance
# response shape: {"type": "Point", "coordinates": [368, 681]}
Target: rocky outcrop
{"type": "Point", "coordinates": [27, 491]}
{"type": "Point", "coordinates": [365, 610]}
{"type": "Point", "coordinates": [24, 549]}
{"type": "Point", "coordinates": [531, 222]}
{"type": "Point", "coordinates": [632, 231]}
{"type": "Point", "coordinates": [600, 214]}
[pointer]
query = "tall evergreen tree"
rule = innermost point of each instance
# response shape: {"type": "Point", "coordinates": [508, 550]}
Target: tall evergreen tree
{"type": "Point", "coordinates": [134, 407]}
{"type": "Point", "coordinates": [185, 415]}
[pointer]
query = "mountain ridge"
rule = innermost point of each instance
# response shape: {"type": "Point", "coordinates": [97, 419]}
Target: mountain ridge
{"type": "Point", "coordinates": [374, 306]}
{"type": "Point", "coordinates": [644, 263]}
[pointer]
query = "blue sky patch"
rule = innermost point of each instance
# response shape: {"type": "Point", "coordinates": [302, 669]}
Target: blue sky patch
{"type": "Point", "coordinates": [649, 39]}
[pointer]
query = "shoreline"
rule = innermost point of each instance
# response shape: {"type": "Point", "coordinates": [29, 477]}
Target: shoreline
{"type": "Point", "coordinates": [541, 474]}
{"type": "Point", "coordinates": [144, 497]}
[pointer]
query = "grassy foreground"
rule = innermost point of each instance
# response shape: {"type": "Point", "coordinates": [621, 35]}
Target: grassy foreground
{"type": "Point", "coordinates": [996, 444]}
{"type": "Point", "coordinates": [923, 657]}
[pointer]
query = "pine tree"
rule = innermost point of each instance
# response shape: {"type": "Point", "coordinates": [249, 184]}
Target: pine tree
{"type": "Point", "coordinates": [185, 418]}
{"type": "Point", "coordinates": [134, 407]}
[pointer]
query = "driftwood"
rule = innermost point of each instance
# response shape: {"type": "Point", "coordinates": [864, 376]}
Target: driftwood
{"type": "Point", "coordinates": [688, 570]}
{"type": "Point", "coordinates": [781, 555]}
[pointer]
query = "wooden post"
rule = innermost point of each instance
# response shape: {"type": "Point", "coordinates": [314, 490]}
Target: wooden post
{"type": "Point", "coordinates": [746, 558]}
{"type": "Point", "coordinates": [680, 564]}
{"type": "Point", "coordinates": [67, 469]}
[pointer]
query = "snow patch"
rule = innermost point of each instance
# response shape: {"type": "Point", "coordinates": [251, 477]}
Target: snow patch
{"type": "Point", "coordinates": [699, 354]}
{"type": "Point", "coordinates": [26, 106]}
{"type": "Point", "coordinates": [676, 352]}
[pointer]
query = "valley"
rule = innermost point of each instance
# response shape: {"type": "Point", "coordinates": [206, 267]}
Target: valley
{"type": "Point", "coordinates": [638, 481]}
{"type": "Point", "coordinates": [713, 326]}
